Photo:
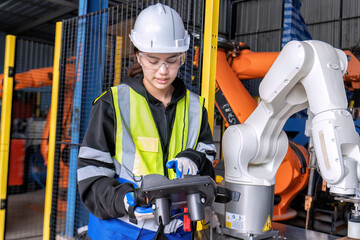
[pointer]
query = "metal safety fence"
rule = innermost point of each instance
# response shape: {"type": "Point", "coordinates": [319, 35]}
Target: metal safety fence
{"type": "Point", "coordinates": [25, 93]}
{"type": "Point", "coordinates": [96, 54]}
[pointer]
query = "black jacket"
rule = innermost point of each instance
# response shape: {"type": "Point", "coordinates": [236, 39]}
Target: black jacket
{"type": "Point", "coordinates": [102, 195]}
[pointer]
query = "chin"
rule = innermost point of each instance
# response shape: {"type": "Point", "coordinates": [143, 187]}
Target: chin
{"type": "Point", "coordinates": [162, 86]}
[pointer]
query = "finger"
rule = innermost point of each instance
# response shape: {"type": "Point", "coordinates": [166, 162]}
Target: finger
{"type": "Point", "coordinates": [130, 198]}
{"type": "Point", "coordinates": [142, 217]}
{"type": "Point", "coordinates": [179, 169]}
{"type": "Point", "coordinates": [179, 174]}
{"type": "Point", "coordinates": [144, 210]}
{"type": "Point", "coordinates": [192, 170]}
{"type": "Point", "coordinates": [171, 164]}
{"type": "Point", "coordinates": [195, 170]}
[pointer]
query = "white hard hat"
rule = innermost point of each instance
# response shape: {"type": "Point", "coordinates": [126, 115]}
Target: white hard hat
{"type": "Point", "coordinates": [160, 29]}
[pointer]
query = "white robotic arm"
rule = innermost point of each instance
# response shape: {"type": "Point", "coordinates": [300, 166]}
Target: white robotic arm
{"type": "Point", "coordinates": [305, 74]}
{"type": "Point", "coordinates": [260, 142]}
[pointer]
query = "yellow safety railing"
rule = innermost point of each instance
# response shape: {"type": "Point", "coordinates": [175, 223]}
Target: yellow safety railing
{"type": "Point", "coordinates": [209, 66]}
{"type": "Point", "coordinates": [209, 57]}
{"type": "Point", "coordinates": [52, 133]}
{"type": "Point", "coordinates": [6, 126]}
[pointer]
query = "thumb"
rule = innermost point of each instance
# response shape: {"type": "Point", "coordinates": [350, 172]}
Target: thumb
{"type": "Point", "coordinates": [171, 164]}
{"type": "Point", "coordinates": [130, 198]}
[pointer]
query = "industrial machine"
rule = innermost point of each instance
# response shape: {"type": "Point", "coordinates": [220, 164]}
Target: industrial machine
{"type": "Point", "coordinates": [235, 62]}
{"type": "Point", "coordinates": [309, 75]}
{"type": "Point", "coordinates": [25, 165]}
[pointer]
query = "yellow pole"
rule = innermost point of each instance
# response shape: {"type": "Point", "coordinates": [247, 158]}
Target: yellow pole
{"type": "Point", "coordinates": [118, 60]}
{"type": "Point", "coordinates": [52, 133]}
{"type": "Point", "coordinates": [6, 126]}
{"type": "Point", "coordinates": [209, 67]}
{"type": "Point", "coordinates": [209, 57]}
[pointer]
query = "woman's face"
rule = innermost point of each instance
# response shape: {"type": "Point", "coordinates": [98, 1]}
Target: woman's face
{"type": "Point", "coordinates": [160, 69]}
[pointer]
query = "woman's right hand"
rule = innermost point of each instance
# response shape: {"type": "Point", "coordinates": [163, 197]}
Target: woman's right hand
{"type": "Point", "coordinates": [141, 213]}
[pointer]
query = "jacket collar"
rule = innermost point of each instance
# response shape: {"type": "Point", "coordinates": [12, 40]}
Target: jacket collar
{"type": "Point", "coordinates": [137, 85]}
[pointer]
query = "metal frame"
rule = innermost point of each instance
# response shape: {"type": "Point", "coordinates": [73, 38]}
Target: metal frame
{"type": "Point", "coordinates": [6, 110]}
{"type": "Point", "coordinates": [209, 57]}
{"type": "Point", "coordinates": [52, 133]}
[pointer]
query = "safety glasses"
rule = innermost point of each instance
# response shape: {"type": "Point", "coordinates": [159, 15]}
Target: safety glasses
{"type": "Point", "coordinates": [149, 61]}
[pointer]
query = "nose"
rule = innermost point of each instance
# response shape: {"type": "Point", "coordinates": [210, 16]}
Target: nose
{"type": "Point", "coordinates": [164, 68]}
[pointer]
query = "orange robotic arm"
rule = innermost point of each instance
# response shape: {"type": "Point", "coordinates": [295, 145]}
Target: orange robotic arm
{"type": "Point", "coordinates": [352, 75]}
{"type": "Point", "coordinates": [251, 65]}
{"type": "Point", "coordinates": [31, 79]}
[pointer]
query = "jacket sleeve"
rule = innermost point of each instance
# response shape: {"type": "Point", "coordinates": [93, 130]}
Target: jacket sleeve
{"type": "Point", "coordinates": [205, 151]}
{"type": "Point", "coordinates": [101, 194]}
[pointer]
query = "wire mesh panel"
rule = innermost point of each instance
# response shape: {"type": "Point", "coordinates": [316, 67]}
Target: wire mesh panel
{"type": "Point", "coordinates": [96, 54]}
{"type": "Point", "coordinates": [27, 161]}
{"type": "Point", "coordinates": [2, 51]}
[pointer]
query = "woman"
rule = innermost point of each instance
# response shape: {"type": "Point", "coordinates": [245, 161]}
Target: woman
{"type": "Point", "coordinates": [149, 124]}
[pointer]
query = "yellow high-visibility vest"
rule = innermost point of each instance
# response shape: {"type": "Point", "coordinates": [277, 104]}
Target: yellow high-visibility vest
{"type": "Point", "coordinates": [138, 147]}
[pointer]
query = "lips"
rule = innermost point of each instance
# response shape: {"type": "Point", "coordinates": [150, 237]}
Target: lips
{"type": "Point", "coordinates": [162, 80]}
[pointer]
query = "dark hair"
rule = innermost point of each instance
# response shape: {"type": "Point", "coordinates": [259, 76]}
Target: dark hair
{"type": "Point", "coordinates": [136, 68]}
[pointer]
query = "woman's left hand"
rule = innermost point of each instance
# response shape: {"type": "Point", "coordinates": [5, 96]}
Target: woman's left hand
{"type": "Point", "coordinates": [183, 166]}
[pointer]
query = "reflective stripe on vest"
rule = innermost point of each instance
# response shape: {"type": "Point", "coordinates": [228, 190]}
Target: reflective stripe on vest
{"type": "Point", "coordinates": [138, 146]}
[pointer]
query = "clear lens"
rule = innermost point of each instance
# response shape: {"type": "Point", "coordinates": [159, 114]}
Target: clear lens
{"type": "Point", "coordinates": [151, 62]}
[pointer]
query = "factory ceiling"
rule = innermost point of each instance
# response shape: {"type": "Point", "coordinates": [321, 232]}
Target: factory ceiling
{"type": "Point", "coordinates": [36, 19]}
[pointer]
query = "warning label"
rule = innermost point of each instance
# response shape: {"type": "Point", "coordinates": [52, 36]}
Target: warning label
{"type": "Point", "coordinates": [235, 221]}
{"type": "Point", "coordinates": [267, 226]}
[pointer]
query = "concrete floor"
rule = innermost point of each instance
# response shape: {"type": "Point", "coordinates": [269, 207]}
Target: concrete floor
{"type": "Point", "coordinates": [284, 232]}
{"type": "Point", "coordinates": [25, 215]}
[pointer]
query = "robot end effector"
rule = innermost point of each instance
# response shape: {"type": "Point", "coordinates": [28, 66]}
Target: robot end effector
{"type": "Point", "coordinates": [336, 145]}
{"type": "Point", "coordinates": [330, 125]}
